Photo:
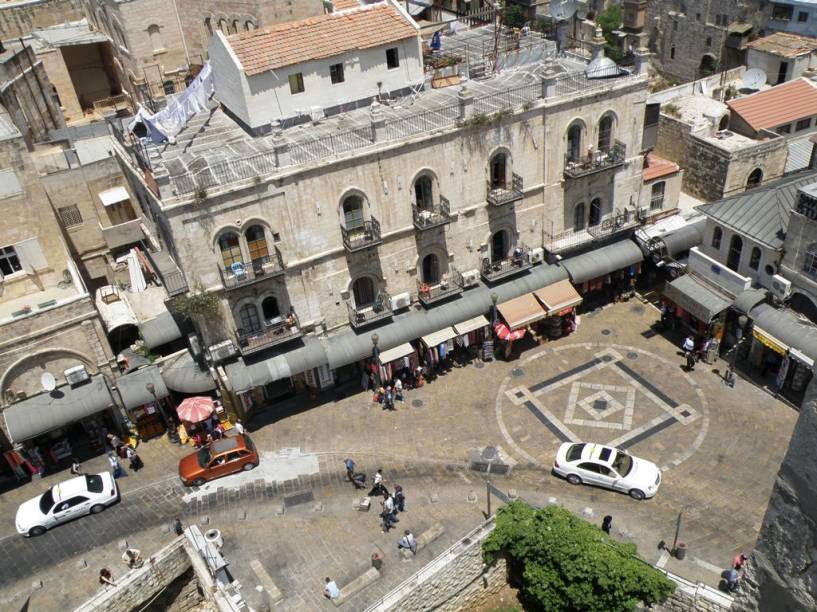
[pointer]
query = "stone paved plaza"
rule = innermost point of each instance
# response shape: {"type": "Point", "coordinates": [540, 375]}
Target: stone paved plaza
{"type": "Point", "coordinates": [613, 381]}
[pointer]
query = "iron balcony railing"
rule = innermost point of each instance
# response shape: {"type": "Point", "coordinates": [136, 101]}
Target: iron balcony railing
{"type": "Point", "coordinates": [595, 161]}
{"type": "Point", "coordinates": [621, 221]}
{"type": "Point", "coordinates": [437, 215]}
{"type": "Point", "coordinates": [518, 261]}
{"type": "Point", "coordinates": [499, 196]}
{"type": "Point", "coordinates": [366, 315]}
{"type": "Point", "coordinates": [277, 331]}
{"type": "Point", "coordinates": [362, 237]}
{"type": "Point", "coordinates": [450, 284]}
{"type": "Point", "coordinates": [242, 273]}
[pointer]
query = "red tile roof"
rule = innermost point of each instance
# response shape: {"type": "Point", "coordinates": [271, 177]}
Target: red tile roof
{"type": "Point", "coordinates": [345, 4]}
{"type": "Point", "coordinates": [286, 44]}
{"type": "Point", "coordinates": [778, 105]}
{"type": "Point", "coordinates": [658, 167]}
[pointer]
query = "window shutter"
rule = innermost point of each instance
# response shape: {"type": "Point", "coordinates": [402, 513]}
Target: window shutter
{"type": "Point", "coordinates": [31, 255]}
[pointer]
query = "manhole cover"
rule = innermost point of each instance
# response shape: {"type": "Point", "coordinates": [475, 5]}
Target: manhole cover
{"type": "Point", "coordinates": [606, 332]}
{"type": "Point", "coordinates": [607, 358]}
{"type": "Point", "coordinates": [517, 372]}
{"type": "Point", "coordinates": [418, 403]}
{"type": "Point", "coordinates": [479, 364]}
{"type": "Point", "coordinates": [489, 452]}
{"type": "Point", "coordinates": [600, 405]}
{"type": "Point", "coordinates": [637, 308]}
{"type": "Point", "coordinates": [632, 355]}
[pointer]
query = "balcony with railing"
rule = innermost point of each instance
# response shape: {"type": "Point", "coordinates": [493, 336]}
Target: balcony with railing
{"type": "Point", "coordinates": [450, 284]}
{"type": "Point", "coordinates": [242, 273]}
{"type": "Point", "coordinates": [499, 196]}
{"type": "Point", "coordinates": [435, 216]}
{"type": "Point", "coordinates": [596, 161]}
{"type": "Point", "coordinates": [362, 237]}
{"type": "Point", "coordinates": [377, 311]}
{"type": "Point", "coordinates": [276, 331]}
{"type": "Point", "coordinates": [518, 261]}
{"type": "Point", "coordinates": [607, 227]}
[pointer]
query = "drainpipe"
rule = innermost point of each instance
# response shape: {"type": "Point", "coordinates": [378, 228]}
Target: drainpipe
{"type": "Point", "coordinates": [181, 33]}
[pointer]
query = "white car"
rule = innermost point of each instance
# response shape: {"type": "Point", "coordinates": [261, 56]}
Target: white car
{"type": "Point", "coordinates": [87, 494]}
{"type": "Point", "coordinates": [604, 466]}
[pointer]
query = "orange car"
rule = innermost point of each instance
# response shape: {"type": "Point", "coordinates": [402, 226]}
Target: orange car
{"type": "Point", "coordinates": [220, 458]}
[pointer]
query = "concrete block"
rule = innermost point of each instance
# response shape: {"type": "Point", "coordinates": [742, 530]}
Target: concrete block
{"type": "Point", "coordinates": [430, 534]}
{"type": "Point", "coordinates": [82, 564]}
{"type": "Point", "coordinates": [204, 520]}
{"type": "Point", "coordinates": [434, 498]}
{"type": "Point", "coordinates": [122, 544]}
{"type": "Point", "coordinates": [165, 529]}
{"type": "Point", "coordinates": [472, 497]}
{"type": "Point", "coordinates": [37, 584]}
{"type": "Point", "coordinates": [273, 592]}
{"type": "Point", "coordinates": [358, 584]}
{"type": "Point", "coordinates": [553, 500]}
{"type": "Point", "coordinates": [279, 508]}
{"type": "Point", "coordinates": [364, 504]}
{"type": "Point", "coordinates": [318, 507]}
{"type": "Point", "coordinates": [242, 515]}
{"type": "Point", "coordinates": [512, 494]}
{"type": "Point", "coordinates": [587, 512]}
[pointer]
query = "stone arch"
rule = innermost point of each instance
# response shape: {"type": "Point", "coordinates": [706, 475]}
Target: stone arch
{"type": "Point", "coordinates": [500, 167]}
{"type": "Point", "coordinates": [442, 262]}
{"type": "Point", "coordinates": [596, 212]}
{"type": "Point", "coordinates": [607, 130]}
{"type": "Point", "coordinates": [345, 207]}
{"type": "Point", "coordinates": [363, 290]}
{"type": "Point", "coordinates": [579, 216]}
{"type": "Point", "coordinates": [421, 197]}
{"type": "Point", "coordinates": [501, 242]}
{"type": "Point", "coordinates": [17, 367]}
{"type": "Point", "coordinates": [246, 304]}
{"type": "Point", "coordinates": [574, 139]}
{"type": "Point", "coordinates": [754, 178]}
{"type": "Point", "coordinates": [708, 65]}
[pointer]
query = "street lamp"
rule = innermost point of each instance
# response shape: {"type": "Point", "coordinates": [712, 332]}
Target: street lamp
{"type": "Point", "coordinates": [731, 377]}
{"type": "Point", "coordinates": [494, 300]}
{"type": "Point", "coordinates": [151, 388]}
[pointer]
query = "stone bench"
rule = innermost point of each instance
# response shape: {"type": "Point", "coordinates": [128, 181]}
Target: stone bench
{"type": "Point", "coordinates": [424, 539]}
{"type": "Point", "coordinates": [273, 592]}
{"type": "Point", "coordinates": [370, 576]}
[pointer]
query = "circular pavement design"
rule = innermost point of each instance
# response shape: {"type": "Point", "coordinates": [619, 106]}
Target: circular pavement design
{"type": "Point", "coordinates": [621, 396]}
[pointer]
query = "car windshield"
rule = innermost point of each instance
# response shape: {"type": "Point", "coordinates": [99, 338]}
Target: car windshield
{"type": "Point", "coordinates": [46, 501]}
{"type": "Point", "coordinates": [623, 463]}
{"type": "Point", "coordinates": [574, 453]}
{"type": "Point", "coordinates": [94, 483]}
{"type": "Point", "coordinates": [248, 442]}
{"type": "Point", "coordinates": [204, 456]}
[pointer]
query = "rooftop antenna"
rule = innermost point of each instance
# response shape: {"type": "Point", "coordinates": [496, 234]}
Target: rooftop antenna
{"type": "Point", "coordinates": [48, 382]}
{"type": "Point", "coordinates": [754, 79]}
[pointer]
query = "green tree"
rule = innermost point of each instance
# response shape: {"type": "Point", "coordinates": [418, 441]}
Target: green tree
{"type": "Point", "coordinates": [513, 17]}
{"type": "Point", "coordinates": [610, 20]}
{"type": "Point", "coordinates": [562, 562]}
{"type": "Point", "coordinates": [194, 305]}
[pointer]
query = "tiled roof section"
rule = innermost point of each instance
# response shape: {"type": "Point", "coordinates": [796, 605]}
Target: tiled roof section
{"type": "Point", "coordinates": [784, 44]}
{"type": "Point", "coordinates": [762, 213]}
{"type": "Point", "coordinates": [341, 5]}
{"type": "Point", "coordinates": [658, 167]}
{"type": "Point", "coordinates": [286, 44]}
{"type": "Point", "coordinates": [778, 105]}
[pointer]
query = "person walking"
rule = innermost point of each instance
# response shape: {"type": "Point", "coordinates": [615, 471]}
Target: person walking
{"type": "Point", "coordinates": [731, 576]}
{"type": "Point", "coordinates": [398, 389]}
{"type": "Point", "coordinates": [607, 524]}
{"type": "Point", "coordinates": [114, 441]}
{"type": "Point", "coordinates": [690, 357]}
{"type": "Point", "coordinates": [378, 488]}
{"type": "Point", "coordinates": [239, 427]}
{"type": "Point", "coordinates": [116, 467]}
{"type": "Point", "coordinates": [330, 589]}
{"type": "Point", "coordinates": [106, 578]}
{"type": "Point", "coordinates": [135, 462]}
{"type": "Point", "coordinates": [177, 526]}
{"type": "Point", "coordinates": [350, 469]}
{"type": "Point", "coordinates": [387, 514]}
{"type": "Point", "coordinates": [399, 499]}
{"type": "Point", "coordinates": [408, 541]}
{"type": "Point", "coordinates": [388, 401]}
{"type": "Point", "coordinates": [739, 560]}
{"type": "Point", "coordinates": [76, 467]}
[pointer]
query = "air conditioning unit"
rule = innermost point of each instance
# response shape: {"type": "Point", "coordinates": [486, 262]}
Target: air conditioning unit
{"type": "Point", "coordinates": [401, 300]}
{"type": "Point", "coordinates": [781, 287]}
{"type": "Point", "coordinates": [223, 351]}
{"type": "Point", "coordinates": [470, 278]}
{"type": "Point", "coordinates": [76, 375]}
{"type": "Point", "coordinates": [537, 256]}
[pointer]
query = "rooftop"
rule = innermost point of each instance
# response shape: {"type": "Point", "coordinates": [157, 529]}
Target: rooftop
{"type": "Point", "coordinates": [656, 167]}
{"type": "Point", "coordinates": [778, 105]}
{"type": "Point", "coordinates": [732, 141]}
{"type": "Point", "coordinates": [696, 109]}
{"type": "Point", "coordinates": [799, 153]}
{"type": "Point", "coordinates": [69, 33]}
{"type": "Point", "coordinates": [7, 128]}
{"type": "Point", "coordinates": [785, 44]}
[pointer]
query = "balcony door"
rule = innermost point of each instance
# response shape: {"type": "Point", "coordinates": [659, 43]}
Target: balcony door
{"type": "Point", "coordinates": [423, 193]}
{"type": "Point", "coordinates": [363, 291]}
{"type": "Point", "coordinates": [353, 212]}
{"type": "Point", "coordinates": [431, 269]}
{"type": "Point", "coordinates": [499, 169]}
{"type": "Point", "coordinates": [500, 244]}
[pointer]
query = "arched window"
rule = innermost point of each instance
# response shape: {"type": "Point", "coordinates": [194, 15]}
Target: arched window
{"type": "Point", "coordinates": [735, 248]}
{"type": "Point", "coordinates": [353, 212]}
{"type": "Point", "coordinates": [724, 123]}
{"type": "Point", "coordinates": [810, 261]}
{"type": "Point", "coordinates": [595, 212]}
{"type": "Point", "coordinates": [222, 25]}
{"type": "Point", "coordinates": [605, 133]}
{"type": "Point", "coordinates": [579, 216]}
{"type": "Point", "coordinates": [709, 65]}
{"type": "Point", "coordinates": [363, 290]}
{"type": "Point", "coordinates": [248, 318]}
{"type": "Point", "coordinates": [269, 308]}
{"type": "Point", "coordinates": [155, 38]}
{"type": "Point", "coordinates": [230, 248]}
{"type": "Point", "coordinates": [657, 196]}
{"type": "Point", "coordinates": [257, 244]}
{"type": "Point", "coordinates": [249, 26]}
{"type": "Point", "coordinates": [574, 142]}
{"type": "Point", "coordinates": [424, 192]}
{"type": "Point", "coordinates": [754, 258]}
{"type": "Point", "coordinates": [235, 27]}
{"type": "Point", "coordinates": [755, 178]}
{"type": "Point", "coordinates": [500, 245]}
{"type": "Point", "coordinates": [431, 269]}
{"type": "Point", "coordinates": [208, 25]}
{"type": "Point", "coordinates": [717, 236]}
{"type": "Point", "coordinates": [499, 169]}
{"type": "Point", "coordinates": [169, 88]}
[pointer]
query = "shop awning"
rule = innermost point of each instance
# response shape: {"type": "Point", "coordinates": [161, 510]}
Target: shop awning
{"type": "Point", "coordinates": [49, 411]}
{"type": "Point", "coordinates": [522, 311]}
{"type": "Point", "coordinates": [133, 387]}
{"type": "Point", "coordinates": [470, 325]}
{"type": "Point", "coordinates": [603, 261]}
{"type": "Point", "coordinates": [786, 328]}
{"type": "Point", "coordinates": [245, 376]}
{"type": "Point", "coordinates": [181, 373]}
{"type": "Point", "coordinates": [438, 337]}
{"type": "Point", "coordinates": [769, 341]}
{"type": "Point", "coordinates": [110, 197]}
{"type": "Point", "coordinates": [748, 300]}
{"type": "Point", "coordinates": [697, 299]}
{"type": "Point", "coordinates": [396, 353]}
{"type": "Point", "coordinates": [801, 357]}
{"type": "Point", "coordinates": [684, 238]}
{"type": "Point", "coordinates": [160, 330]}
{"type": "Point", "coordinates": [558, 296]}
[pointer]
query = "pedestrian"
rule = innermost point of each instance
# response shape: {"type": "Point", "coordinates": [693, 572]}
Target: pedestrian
{"type": "Point", "coordinates": [731, 577]}
{"type": "Point", "coordinates": [350, 469]}
{"type": "Point", "coordinates": [398, 389]}
{"type": "Point", "coordinates": [106, 578]}
{"type": "Point", "coordinates": [133, 558]}
{"type": "Point", "coordinates": [114, 441]}
{"type": "Point", "coordinates": [408, 541]}
{"type": "Point", "coordinates": [177, 526]}
{"type": "Point", "coordinates": [388, 400]}
{"type": "Point", "coordinates": [704, 352]}
{"type": "Point", "coordinates": [116, 467]}
{"type": "Point", "coordinates": [377, 560]}
{"type": "Point", "coordinates": [330, 590]}
{"type": "Point", "coordinates": [136, 463]}
{"type": "Point", "coordinates": [399, 499]}
{"type": "Point", "coordinates": [606, 524]}
{"type": "Point", "coordinates": [378, 488]}
{"type": "Point", "coordinates": [739, 560]}
{"type": "Point", "coordinates": [76, 467]}
{"type": "Point", "coordinates": [689, 344]}
{"type": "Point", "coordinates": [690, 356]}
{"type": "Point", "coordinates": [239, 428]}
{"type": "Point", "coordinates": [387, 514]}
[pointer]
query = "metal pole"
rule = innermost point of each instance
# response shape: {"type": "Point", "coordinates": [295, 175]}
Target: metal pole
{"type": "Point", "coordinates": [677, 531]}
{"type": "Point", "coordinates": [488, 496]}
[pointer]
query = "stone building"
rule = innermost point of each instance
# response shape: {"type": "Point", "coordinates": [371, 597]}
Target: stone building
{"type": "Point", "coordinates": [799, 262]}
{"type": "Point", "coordinates": [794, 16]}
{"type": "Point", "coordinates": [19, 18]}
{"type": "Point", "coordinates": [783, 57]}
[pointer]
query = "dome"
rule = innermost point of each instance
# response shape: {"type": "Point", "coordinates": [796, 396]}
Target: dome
{"type": "Point", "coordinates": [602, 67]}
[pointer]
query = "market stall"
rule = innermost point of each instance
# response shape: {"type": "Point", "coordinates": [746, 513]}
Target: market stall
{"type": "Point", "coordinates": [470, 335]}
{"type": "Point", "coordinates": [560, 300]}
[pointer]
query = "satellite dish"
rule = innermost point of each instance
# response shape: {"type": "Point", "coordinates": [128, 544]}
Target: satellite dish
{"type": "Point", "coordinates": [48, 381]}
{"type": "Point", "coordinates": [562, 10]}
{"type": "Point", "coordinates": [754, 78]}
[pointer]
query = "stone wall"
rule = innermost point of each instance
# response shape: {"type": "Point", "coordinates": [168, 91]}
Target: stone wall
{"type": "Point", "coordinates": [672, 137]}
{"type": "Point", "coordinates": [19, 18]}
{"type": "Point", "coordinates": [182, 595]}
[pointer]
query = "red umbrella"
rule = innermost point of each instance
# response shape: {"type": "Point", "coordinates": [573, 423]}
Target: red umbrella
{"type": "Point", "coordinates": [505, 333]}
{"type": "Point", "coordinates": [195, 409]}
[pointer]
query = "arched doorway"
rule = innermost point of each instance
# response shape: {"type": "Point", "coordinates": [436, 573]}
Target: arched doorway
{"type": "Point", "coordinates": [574, 142]}
{"type": "Point", "coordinates": [579, 216]}
{"type": "Point", "coordinates": [230, 248]}
{"type": "Point", "coordinates": [500, 244]}
{"type": "Point", "coordinates": [755, 178]}
{"type": "Point", "coordinates": [605, 133]}
{"type": "Point", "coordinates": [724, 123]}
{"type": "Point", "coordinates": [423, 193]}
{"type": "Point", "coordinates": [248, 318]}
{"type": "Point", "coordinates": [363, 291]}
{"type": "Point", "coordinates": [353, 212]}
{"type": "Point", "coordinates": [595, 212]}
{"type": "Point", "coordinates": [499, 163]}
{"type": "Point", "coordinates": [270, 309]}
{"type": "Point", "coordinates": [708, 66]}
{"type": "Point", "coordinates": [257, 245]}
{"type": "Point", "coordinates": [735, 249]}
{"type": "Point", "coordinates": [431, 269]}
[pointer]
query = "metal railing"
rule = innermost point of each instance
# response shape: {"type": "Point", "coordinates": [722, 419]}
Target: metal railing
{"type": "Point", "coordinates": [244, 273]}
{"type": "Point", "coordinates": [115, 103]}
{"type": "Point", "coordinates": [618, 222]}
{"type": "Point", "coordinates": [450, 284]}
{"type": "Point", "coordinates": [595, 161]}
{"type": "Point", "coordinates": [275, 332]}
{"type": "Point", "coordinates": [363, 236]}
{"type": "Point", "coordinates": [499, 196]}
{"type": "Point", "coordinates": [331, 144]}
{"type": "Point", "coordinates": [380, 309]}
{"type": "Point", "coordinates": [518, 261]}
{"type": "Point", "coordinates": [436, 215]}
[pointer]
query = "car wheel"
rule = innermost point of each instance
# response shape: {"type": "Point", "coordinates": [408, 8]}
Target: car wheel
{"type": "Point", "coordinates": [248, 466]}
{"type": "Point", "coordinates": [637, 494]}
{"type": "Point", "coordinates": [97, 508]}
{"type": "Point", "coordinates": [198, 482]}
{"type": "Point", "coordinates": [36, 531]}
{"type": "Point", "coordinates": [574, 479]}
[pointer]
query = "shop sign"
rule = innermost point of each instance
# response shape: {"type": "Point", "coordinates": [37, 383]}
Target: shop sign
{"type": "Point", "coordinates": [769, 341]}
{"type": "Point", "coordinates": [564, 312]}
